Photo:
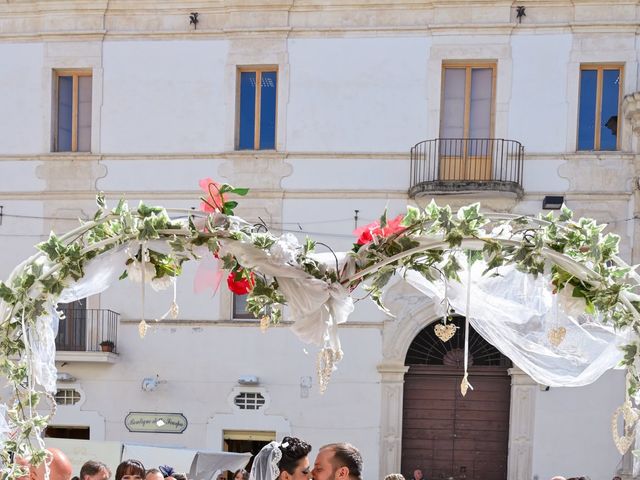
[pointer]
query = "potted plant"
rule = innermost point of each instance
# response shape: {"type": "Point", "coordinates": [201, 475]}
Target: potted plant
{"type": "Point", "coordinates": [107, 345]}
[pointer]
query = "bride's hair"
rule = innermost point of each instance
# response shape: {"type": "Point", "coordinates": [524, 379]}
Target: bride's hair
{"type": "Point", "coordinates": [293, 450]}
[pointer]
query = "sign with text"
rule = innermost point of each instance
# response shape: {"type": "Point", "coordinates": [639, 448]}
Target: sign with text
{"type": "Point", "coordinates": [150, 422]}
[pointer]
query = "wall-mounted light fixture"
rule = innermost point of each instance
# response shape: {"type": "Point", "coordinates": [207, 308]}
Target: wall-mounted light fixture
{"type": "Point", "coordinates": [552, 202]}
{"type": "Point", "coordinates": [520, 13]}
{"type": "Point", "coordinates": [249, 380]}
{"type": "Point", "coordinates": [149, 384]}
{"type": "Point", "coordinates": [65, 377]}
{"type": "Point", "coordinates": [193, 20]}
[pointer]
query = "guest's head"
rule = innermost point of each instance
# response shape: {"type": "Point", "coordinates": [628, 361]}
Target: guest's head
{"type": "Point", "coordinates": [394, 476]}
{"type": "Point", "coordinates": [153, 474]}
{"type": "Point", "coordinates": [130, 470]}
{"type": "Point", "coordinates": [241, 474]}
{"type": "Point", "coordinates": [94, 470]}
{"type": "Point", "coordinates": [417, 474]}
{"type": "Point", "coordinates": [57, 462]}
{"type": "Point", "coordinates": [338, 461]}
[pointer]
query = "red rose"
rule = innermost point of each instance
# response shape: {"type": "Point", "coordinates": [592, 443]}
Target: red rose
{"type": "Point", "coordinates": [242, 286]}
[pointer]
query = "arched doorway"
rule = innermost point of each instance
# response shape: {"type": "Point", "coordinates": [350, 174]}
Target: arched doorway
{"type": "Point", "coordinates": [445, 434]}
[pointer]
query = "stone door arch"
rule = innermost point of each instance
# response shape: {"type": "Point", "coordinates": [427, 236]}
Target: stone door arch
{"type": "Point", "coordinates": [414, 313]}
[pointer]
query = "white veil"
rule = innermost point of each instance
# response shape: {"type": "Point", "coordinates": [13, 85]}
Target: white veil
{"type": "Point", "coordinates": [265, 464]}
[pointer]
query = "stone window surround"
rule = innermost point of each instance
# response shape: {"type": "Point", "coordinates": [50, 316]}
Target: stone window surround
{"type": "Point", "coordinates": [71, 56]}
{"type": "Point", "coordinates": [586, 49]}
{"type": "Point", "coordinates": [256, 52]}
{"type": "Point", "coordinates": [497, 51]}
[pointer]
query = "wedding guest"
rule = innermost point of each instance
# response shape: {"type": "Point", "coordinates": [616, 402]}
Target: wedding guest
{"type": "Point", "coordinates": [153, 474]}
{"type": "Point", "coordinates": [130, 470]}
{"type": "Point", "coordinates": [94, 470]}
{"type": "Point", "coordinates": [394, 476]}
{"type": "Point", "coordinates": [417, 474]}
{"type": "Point", "coordinates": [59, 467]}
{"type": "Point", "coordinates": [241, 474]}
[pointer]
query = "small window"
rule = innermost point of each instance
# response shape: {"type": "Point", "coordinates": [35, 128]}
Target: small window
{"type": "Point", "coordinates": [600, 93]}
{"type": "Point", "coordinates": [67, 396]}
{"type": "Point", "coordinates": [72, 120]}
{"type": "Point", "coordinates": [249, 401]}
{"type": "Point", "coordinates": [240, 308]}
{"type": "Point", "coordinates": [257, 109]}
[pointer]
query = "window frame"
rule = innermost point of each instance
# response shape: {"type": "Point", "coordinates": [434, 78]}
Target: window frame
{"type": "Point", "coordinates": [258, 70]}
{"type": "Point", "coordinates": [599, 67]}
{"type": "Point", "coordinates": [469, 66]}
{"type": "Point", "coordinates": [246, 315]}
{"type": "Point", "coordinates": [67, 396]}
{"type": "Point", "coordinates": [75, 73]}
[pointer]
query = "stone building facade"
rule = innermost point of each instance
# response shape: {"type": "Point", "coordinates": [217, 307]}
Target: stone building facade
{"type": "Point", "coordinates": [137, 100]}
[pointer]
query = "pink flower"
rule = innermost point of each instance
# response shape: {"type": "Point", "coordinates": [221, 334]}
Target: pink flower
{"type": "Point", "coordinates": [366, 234]}
{"type": "Point", "coordinates": [213, 200]}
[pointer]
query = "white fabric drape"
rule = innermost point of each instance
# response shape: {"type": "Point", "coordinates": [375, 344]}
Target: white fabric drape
{"type": "Point", "coordinates": [515, 312]}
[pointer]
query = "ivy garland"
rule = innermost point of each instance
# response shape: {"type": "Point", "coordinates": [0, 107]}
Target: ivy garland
{"type": "Point", "coordinates": [423, 240]}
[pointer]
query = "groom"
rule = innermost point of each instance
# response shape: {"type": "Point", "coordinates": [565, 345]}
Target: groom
{"type": "Point", "coordinates": [338, 461]}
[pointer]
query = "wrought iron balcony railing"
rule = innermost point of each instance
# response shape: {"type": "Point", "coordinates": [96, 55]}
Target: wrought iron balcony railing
{"type": "Point", "coordinates": [87, 330]}
{"type": "Point", "coordinates": [445, 165]}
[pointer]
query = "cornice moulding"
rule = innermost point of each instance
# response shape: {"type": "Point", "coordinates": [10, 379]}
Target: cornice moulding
{"type": "Point", "coordinates": [77, 19]}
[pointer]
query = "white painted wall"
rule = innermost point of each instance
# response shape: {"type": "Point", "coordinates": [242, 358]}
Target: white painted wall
{"type": "Point", "coordinates": [573, 430]}
{"type": "Point", "coordinates": [163, 96]}
{"type": "Point", "coordinates": [538, 103]}
{"type": "Point", "coordinates": [21, 121]}
{"type": "Point", "coordinates": [357, 94]}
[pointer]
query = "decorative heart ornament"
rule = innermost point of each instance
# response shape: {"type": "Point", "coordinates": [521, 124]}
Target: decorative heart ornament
{"type": "Point", "coordinates": [556, 335]}
{"type": "Point", "coordinates": [445, 332]}
{"type": "Point", "coordinates": [630, 416]}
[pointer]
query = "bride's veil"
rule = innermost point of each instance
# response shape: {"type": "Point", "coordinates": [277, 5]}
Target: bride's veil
{"type": "Point", "coordinates": [265, 464]}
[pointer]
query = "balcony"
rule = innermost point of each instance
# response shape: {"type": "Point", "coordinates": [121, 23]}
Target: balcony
{"type": "Point", "coordinates": [81, 333]}
{"type": "Point", "coordinates": [463, 165]}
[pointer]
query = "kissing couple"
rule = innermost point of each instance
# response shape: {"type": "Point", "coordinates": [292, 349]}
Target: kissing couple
{"type": "Point", "coordinates": [289, 460]}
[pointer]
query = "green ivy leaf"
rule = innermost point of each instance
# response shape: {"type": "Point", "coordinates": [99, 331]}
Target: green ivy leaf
{"type": "Point", "coordinates": [239, 191]}
{"type": "Point", "coordinates": [53, 247]}
{"type": "Point", "coordinates": [412, 216]}
{"type": "Point", "coordinates": [309, 246]}
{"type": "Point", "coordinates": [6, 293]}
{"type": "Point", "coordinates": [565, 214]}
{"type": "Point", "coordinates": [100, 201]}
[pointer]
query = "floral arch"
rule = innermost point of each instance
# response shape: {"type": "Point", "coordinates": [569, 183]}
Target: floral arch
{"type": "Point", "coordinates": [561, 278]}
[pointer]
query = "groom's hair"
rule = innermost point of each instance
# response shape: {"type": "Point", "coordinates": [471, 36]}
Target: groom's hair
{"type": "Point", "coordinates": [293, 449]}
{"type": "Point", "coordinates": [346, 455]}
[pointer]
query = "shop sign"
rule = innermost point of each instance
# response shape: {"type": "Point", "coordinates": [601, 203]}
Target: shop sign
{"type": "Point", "coordinates": [150, 422]}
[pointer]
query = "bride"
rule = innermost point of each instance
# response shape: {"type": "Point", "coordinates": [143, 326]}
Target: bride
{"type": "Point", "coordinates": [282, 461]}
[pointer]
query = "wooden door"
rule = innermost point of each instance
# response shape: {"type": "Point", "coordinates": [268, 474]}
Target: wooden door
{"type": "Point", "coordinates": [445, 434]}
